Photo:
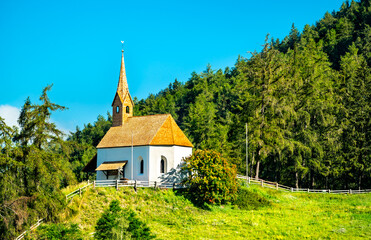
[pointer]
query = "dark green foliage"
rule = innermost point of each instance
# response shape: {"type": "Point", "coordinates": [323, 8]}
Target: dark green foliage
{"type": "Point", "coordinates": [137, 228]}
{"type": "Point", "coordinates": [33, 168]}
{"type": "Point", "coordinates": [108, 221]}
{"type": "Point", "coordinates": [81, 145]}
{"type": "Point", "coordinates": [306, 101]}
{"type": "Point", "coordinates": [248, 199]}
{"type": "Point", "coordinates": [117, 223]}
{"type": "Point", "coordinates": [210, 178]}
{"type": "Point", "coordinates": [59, 232]}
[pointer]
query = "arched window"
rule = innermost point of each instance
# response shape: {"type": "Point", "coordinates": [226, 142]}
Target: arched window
{"type": "Point", "coordinates": [117, 109]}
{"type": "Point", "coordinates": [127, 109]}
{"type": "Point", "coordinates": [141, 165]}
{"type": "Point", "coordinates": [163, 165]}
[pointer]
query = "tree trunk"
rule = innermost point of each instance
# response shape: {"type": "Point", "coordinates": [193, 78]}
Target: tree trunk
{"type": "Point", "coordinates": [312, 179]}
{"type": "Point", "coordinates": [296, 178]}
{"type": "Point", "coordinates": [252, 163]}
{"type": "Point", "coordinates": [257, 169]}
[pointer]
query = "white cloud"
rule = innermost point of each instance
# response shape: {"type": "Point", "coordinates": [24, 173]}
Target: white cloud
{"type": "Point", "coordinates": [10, 115]}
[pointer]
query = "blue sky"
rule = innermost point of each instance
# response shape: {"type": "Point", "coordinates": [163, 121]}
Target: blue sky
{"type": "Point", "coordinates": [76, 46]}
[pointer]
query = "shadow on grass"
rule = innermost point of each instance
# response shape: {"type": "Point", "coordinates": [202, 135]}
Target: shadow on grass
{"type": "Point", "coordinates": [248, 199]}
{"type": "Point", "coordinates": [184, 193]}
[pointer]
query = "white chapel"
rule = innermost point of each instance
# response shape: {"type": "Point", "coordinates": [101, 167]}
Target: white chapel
{"type": "Point", "coordinates": [143, 148]}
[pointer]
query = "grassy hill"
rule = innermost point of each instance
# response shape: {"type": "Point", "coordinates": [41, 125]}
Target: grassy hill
{"type": "Point", "coordinates": [270, 214]}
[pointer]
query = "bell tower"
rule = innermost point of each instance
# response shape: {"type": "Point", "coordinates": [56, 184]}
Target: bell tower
{"type": "Point", "coordinates": [122, 105]}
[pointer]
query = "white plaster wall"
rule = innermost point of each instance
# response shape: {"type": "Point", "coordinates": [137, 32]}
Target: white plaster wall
{"type": "Point", "coordinates": [180, 153]}
{"type": "Point", "coordinates": [173, 155]}
{"type": "Point", "coordinates": [121, 154]}
{"type": "Point", "coordinates": [155, 154]}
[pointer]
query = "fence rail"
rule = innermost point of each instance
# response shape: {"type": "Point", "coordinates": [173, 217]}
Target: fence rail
{"type": "Point", "coordinates": [135, 184]}
{"type": "Point", "coordinates": [78, 191]}
{"type": "Point", "coordinates": [31, 228]}
{"type": "Point", "coordinates": [277, 186]}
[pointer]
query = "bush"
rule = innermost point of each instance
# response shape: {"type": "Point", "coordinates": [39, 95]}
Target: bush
{"type": "Point", "coordinates": [108, 220]}
{"type": "Point", "coordinates": [137, 228]}
{"type": "Point", "coordinates": [59, 232]}
{"type": "Point", "coordinates": [248, 199]}
{"type": "Point", "coordinates": [210, 178]}
{"type": "Point", "coordinates": [117, 223]}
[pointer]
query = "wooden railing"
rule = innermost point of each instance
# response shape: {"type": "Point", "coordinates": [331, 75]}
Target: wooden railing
{"type": "Point", "coordinates": [278, 186]}
{"type": "Point", "coordinates": [78, 191]}
{"type": "Point", "coordinates": [31, 228]}
{"type": "Point", "coordinates": [134, 183]}
{"type": "Point", "coordinates": [68, 196]}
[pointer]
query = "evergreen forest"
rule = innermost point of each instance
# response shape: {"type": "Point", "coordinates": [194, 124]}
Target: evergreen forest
{"type": "Point", "coordinates": [305, 99]}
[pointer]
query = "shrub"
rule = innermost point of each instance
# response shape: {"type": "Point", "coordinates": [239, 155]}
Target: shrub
{"type": "Point", "coordinates": [108, 220]}
{"type": "Point", "coordinates": [210, 178]}
{"type": "Point", "coordinates": [117, 223]}
{"type": "Point", "coordinates": [248, 200]}
{"type": "Point", "coordinates": [59, 232]}
{"type": "Point", "coordinates": [137, 228]}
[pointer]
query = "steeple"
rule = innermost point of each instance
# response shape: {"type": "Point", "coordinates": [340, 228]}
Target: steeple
{"type": "Point", "coordinates": [122, 105]}
{"type": "Point", "coordinates": [122, 86]}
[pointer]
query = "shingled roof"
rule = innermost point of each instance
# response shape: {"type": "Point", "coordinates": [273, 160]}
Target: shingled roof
{"type": "Point", "coordinates": [145, 130]}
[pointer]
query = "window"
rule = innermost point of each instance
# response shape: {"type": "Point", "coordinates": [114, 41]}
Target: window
{"type": "Point", "coordinates": [141, 166]}
{"type": "Point", "coordinates": [163, 165]}
{"type": "Point", "coordinates": [127, 109]}
{"type": "Point", "coordinates": [117, 109]}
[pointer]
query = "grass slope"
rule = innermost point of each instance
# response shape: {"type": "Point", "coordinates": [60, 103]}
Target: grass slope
{"type": "Point", "coordinates": [287, 216]}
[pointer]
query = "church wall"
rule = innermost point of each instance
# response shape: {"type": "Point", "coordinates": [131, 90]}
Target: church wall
{"type": "Point", "coordinates": [127, 103]}
{"type": "Point", "coordinates": [181, 152]}
{"type": "Point", "coordinates": [121, 154]}
{"type": "Point", "coordinates": [155, 155]}
{"type": "Point", "coordinates": [117, 117]}
{"type": "Point", "coordinates": [173, 155]}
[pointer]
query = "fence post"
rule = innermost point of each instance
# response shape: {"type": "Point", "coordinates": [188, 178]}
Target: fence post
{"type": "Point", "coordinates": [308, 190]}
{"type": "Point", "coordinates": [88, 181]}
{"type": "Point", "coordinates": [248, 179]}
{"type": "Point", "coordinates": [276, 186]}
{"type": "Point", "coordinates": [261, 182]}
{"type": "Point", "coordinates": [291, 189]}
{"type": "Point", "coordinates": [80, 192]}
{"type": "Point", "coordinates": [94, 184]}
{"type": "Point", "coordinates": [173, 185]}
{"type": "Point", "coordinates": [135, 185]}
{"type": "Point", "coordinates": [155, 185]}
{"type": "Point", "coordinates": [117, 184]}
{"type": "Point", "coordinates": [329, 191]}
{"type": "Point", "coordinates": [350, 191]}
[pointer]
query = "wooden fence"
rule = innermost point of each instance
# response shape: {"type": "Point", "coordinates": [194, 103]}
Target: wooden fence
{"type": "Point", "coordinates": [78, 191]}
{"type": "Point", "coordinates": [277, 186]}
{"type": "Point", "coordinates": [109, 183]}
{"type": "Point", "coordinates": [31, 228]}
{"type": "Point", "coordinates": [135, 184]}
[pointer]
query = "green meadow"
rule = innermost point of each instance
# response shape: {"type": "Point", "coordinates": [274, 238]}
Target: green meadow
{"type": "Point", "coordinates": [266, 214]}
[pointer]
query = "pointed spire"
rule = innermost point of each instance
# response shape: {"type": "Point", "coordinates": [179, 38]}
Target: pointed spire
{"type": "Point", "coordinates": [122, 87]}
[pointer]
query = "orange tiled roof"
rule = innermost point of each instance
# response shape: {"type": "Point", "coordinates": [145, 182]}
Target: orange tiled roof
{"type": "Point", "coordinates": [145, 130]}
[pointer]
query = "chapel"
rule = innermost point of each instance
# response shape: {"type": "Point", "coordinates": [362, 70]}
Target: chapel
{"type": "Point", "coordinates": [143, 148]}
